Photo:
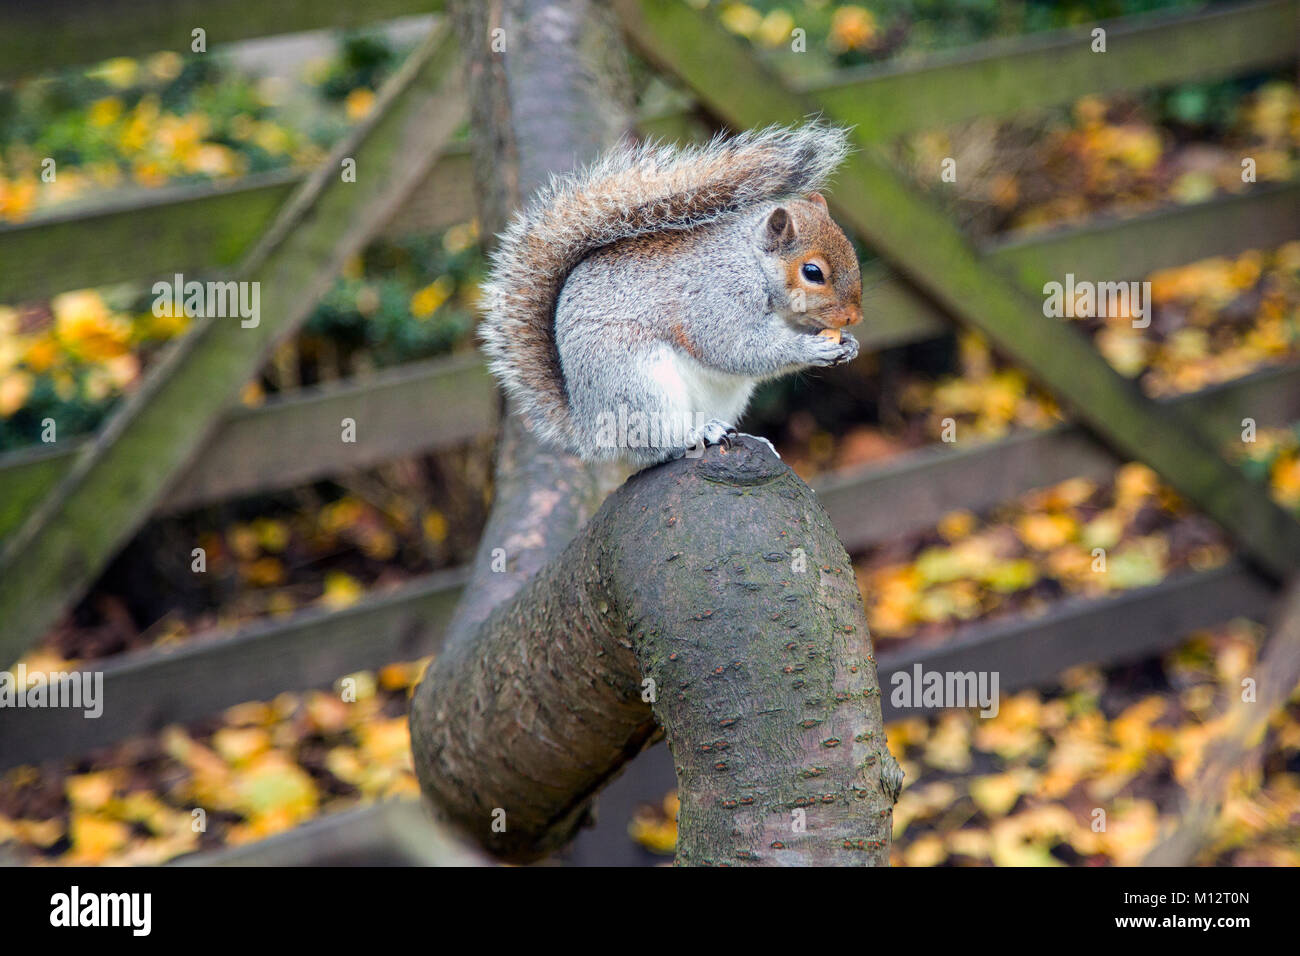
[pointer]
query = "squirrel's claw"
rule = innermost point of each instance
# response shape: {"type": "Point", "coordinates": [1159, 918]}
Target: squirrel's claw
{"type": "Point", "coordinates": [713, 432]}
{"type": "Point", "coordinates": [848, 350]}
{"type": "Point", "coordinates": [825, 353]}
{"type": "Point", "coordinates": [717, 432]}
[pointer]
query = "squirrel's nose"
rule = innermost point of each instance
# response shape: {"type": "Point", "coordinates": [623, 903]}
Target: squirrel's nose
{"type": "Point", "coordinates": [844, 317]}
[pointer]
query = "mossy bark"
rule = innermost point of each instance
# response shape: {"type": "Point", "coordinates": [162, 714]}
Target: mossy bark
{"type": "Point", "coordinates": [708, 597]}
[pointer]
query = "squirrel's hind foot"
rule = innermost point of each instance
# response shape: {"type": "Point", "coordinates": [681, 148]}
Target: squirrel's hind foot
{"type": "Point", "coordinates": [713, 432]}
{"type": "Point", "coordinates": [717, 432]}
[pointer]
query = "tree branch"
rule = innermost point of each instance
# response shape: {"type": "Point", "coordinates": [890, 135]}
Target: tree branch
{"type": "Point", "coordinates": [762, 676]}
{"type": "Point", "coordinates": [548, 90]}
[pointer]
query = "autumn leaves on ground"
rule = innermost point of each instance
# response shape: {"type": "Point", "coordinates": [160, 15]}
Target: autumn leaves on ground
{"type": "Point", "coordinates": [1020, 788]}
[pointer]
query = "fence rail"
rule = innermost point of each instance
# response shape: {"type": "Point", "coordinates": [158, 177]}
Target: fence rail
{"type": "Point", "coordinates": [79, 32]}
{"type": "Point", "coordinates": [1004, 78]}
{"type": "Point", "coordinates": [395, 832]}
{"type": "Point", "coordinates": [294, 438]}
{"type": "Point", "coordinates": [151, 688]}
{"type": "Point", "coordinates": [915, 490]}
{"type": "Point", "coordinates": [190, 229]}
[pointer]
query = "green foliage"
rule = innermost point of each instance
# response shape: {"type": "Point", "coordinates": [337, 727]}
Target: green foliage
{"type": "Point", "coordinates": [364, 60]}
{"type": "Point", "coordinates": [379, 312]}
{"type": "Point", "coordinates": [74, 414]}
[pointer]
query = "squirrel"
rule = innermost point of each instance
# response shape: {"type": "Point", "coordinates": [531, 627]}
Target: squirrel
{"type": "Point", "coordinates": [636, 303]}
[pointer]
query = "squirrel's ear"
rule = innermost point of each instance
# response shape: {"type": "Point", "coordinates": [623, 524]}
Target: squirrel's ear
{"type": "Point", "coordinates": [780, 227]}
{"type": "Point", "coordinates": [817, 199]}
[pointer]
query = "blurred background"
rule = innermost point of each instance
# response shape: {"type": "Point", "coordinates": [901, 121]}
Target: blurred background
{"type": "Point", "coordinates": [164, 152]}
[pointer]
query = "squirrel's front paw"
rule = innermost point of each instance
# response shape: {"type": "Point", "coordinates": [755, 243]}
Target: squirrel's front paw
{"type": "Point", "coordinates": [826, 352]}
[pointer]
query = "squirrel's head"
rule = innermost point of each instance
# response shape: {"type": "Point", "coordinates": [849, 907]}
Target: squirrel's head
{"type": "Point", "coordinates": [811, 266]}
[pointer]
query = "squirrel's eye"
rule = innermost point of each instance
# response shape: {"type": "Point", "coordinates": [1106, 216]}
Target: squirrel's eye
{"type": "Point", "coordinates": [812, 273]}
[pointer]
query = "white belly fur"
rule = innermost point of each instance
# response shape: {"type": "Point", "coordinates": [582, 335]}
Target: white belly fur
{"type": "Point", "coordinates": [691, 389]}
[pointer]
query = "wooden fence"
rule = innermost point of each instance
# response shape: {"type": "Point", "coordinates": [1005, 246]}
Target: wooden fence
{"type": "Point", "coordinates": [180, 442]}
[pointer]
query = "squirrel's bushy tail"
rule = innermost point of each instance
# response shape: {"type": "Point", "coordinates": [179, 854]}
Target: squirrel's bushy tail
{"type": "Point", "coordinates": [630, 191]}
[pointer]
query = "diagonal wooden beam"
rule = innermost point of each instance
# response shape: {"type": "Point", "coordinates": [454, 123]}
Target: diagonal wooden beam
{"type": "Point", "coordinates": [118, 479]}
{"type": "Point", "coordinates": [930, 252]}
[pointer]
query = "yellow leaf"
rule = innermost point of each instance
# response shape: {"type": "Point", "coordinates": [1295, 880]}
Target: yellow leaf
{"type": "Point", "coordinates": [254, 713]}
{"type": "Point", "coordinates": [272, 535]}
{"type": "Point", "coordinates": [92, 791]}
{"type": "Point", "coordinates": [346, 764]}
{"type": "Point", "coordinates": [104, 112]}
{"type": "Point", "coordinates": [1007, 577]}
{"type": "Point", "coordinates": [238, 745]}
{"type": "Point", "coordinates": [363, 684]}
{"type": "Point", "coordinates": [341, 590]}
{"type": "Point", "coordinates": [264, 572]}
{"type": "Point", "coordinates": [741, 18]}
{"type": "Point", "coordinates": [956, 525]}
{"type": "Point", "coordinates": [427, 301]}
{"type": "Point", "coordinates": [928, 850]}
{"type": "Point", "coordinates": [852, 28]}
{"type": "Point", "coordinates": [949, 745]}
{"type": "Point", "coordinates": [970, 842]}
{"type": "Point", "coordinates": [386, 741]}
{"type": "Point", "coordinates": [398, 676]}
{"type": "Point", "coordinates": [15, 387]}
{"type": "Point", "coordinates": [271, 785]}
{"type": "Point", "coordinates": [435, 526]}
{"type": "Point", "coordinates": [1134, 482]}
{"type": "Point", "coordinates": [1044, 532]}
{"type": "Point", "coordinates": [1138, 564]}
{"type": "Point", "coordinates": [460, 237]}
{"type": "Point", "coordinates": [776, 28]}
{"type": "Point", "coordinates": [95, 838]}
{"type": "Point", "coordinates": [359, 103]}
{"type": "Point", "coordinates": [996, 794]}
{"type": "Point", "coordinates": [327, 712]}
{"type": "Point", "coordinates": [41, 833]}
{"type": "Point", "coordinates": [1103, 531]}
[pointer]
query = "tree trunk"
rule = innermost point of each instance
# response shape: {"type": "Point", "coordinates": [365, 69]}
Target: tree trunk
{"type": "Point", "coordinates": [708, 599]}
{"type": "Point", "coordinates": [555, 98]}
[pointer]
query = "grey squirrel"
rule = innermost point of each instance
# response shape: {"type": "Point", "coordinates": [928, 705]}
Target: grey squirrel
{"type": "Point", "coordinates": [634, 304]}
